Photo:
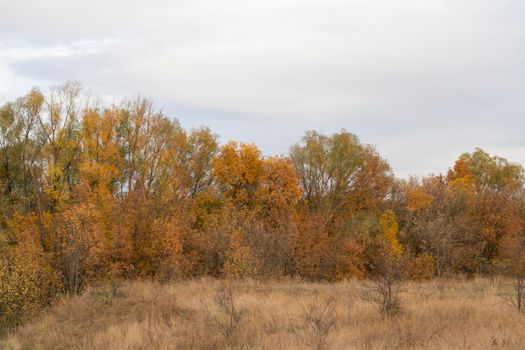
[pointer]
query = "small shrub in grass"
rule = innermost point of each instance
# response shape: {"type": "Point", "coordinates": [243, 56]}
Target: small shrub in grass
{"type": "Point", "coordinates": [319, 318]}
{"type": "Point", "coordinates": [106, 294]}
{"type": "Point", "coordinates": [386, 284]}
{"type": "Point", "coordinates": [231, 315]}
{"type": "Point", "coordinates": [516, 296]}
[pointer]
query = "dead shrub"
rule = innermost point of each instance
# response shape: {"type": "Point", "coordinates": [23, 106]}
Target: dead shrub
{"type": "Point", "coordinates": [516, 297]}
{"type": "Point", "coordinates": [231, 316]}
{"type": "Point", "coordinates": [319, 318]}
{"type": "Point", "coordinates": [106, 294]}
{"type": "Point", "coordinates": [386, 284]}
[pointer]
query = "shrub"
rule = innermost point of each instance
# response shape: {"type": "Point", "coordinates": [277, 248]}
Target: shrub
{"type": "Point", "coordinates": [27, 285]}
{"type": "Point", "coordinates": [423, 267]}
{"type": "Point", "coordinates": [231, 315]}
{"type": "Point", "coordinates": [386, 284]}
{"type": "Point", "coordinates": [319, 318]}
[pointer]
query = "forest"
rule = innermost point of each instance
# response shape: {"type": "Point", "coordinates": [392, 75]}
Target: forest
{"type": "Point", "coordinates": [94, 192]}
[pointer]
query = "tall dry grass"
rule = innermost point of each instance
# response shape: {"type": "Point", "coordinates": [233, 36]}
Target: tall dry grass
{"type": "Point", "coordinates": [448, 314]}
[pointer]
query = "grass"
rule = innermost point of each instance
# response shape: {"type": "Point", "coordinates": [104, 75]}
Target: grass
{"type": "Point", "coordinates": [450, 314]}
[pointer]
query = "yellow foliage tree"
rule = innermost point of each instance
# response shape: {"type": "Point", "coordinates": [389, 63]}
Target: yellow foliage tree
{"type": "Point", "coordinates": [100, 161]}
{"type": "Point", "coordinates": [237, 169]}
{"type": "Point", "coordinates": [388, 222]}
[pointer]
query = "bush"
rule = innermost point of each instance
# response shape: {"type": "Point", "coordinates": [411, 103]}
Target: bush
{"type": "Point", "coordinates": [386, 284]}
{"type": "Point", "coordinates": [27, 285]}
{"type": "Point", "coordinates": [423, 267]}
{"type": "Point", "coordinates": [319, 318]}
{"type": "Point", "coordinates": [231, 316]}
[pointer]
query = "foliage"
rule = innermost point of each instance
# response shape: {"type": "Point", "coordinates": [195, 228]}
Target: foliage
{"type": "Point", "coordinates": [388, 221]}
{"type": "Point", "coordinates": [423, 267]}
{"type": "Point", "coordinates": [28, 282]}
{"type": "Point", "coordinates": [92, 192]}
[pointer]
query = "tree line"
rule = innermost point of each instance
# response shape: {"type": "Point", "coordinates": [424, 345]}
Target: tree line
{"type": "Point", "coordinates": [93, 192]}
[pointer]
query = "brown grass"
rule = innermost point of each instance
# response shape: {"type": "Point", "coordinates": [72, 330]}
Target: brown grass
{"type": "Point", "coordinates": [144, 315]}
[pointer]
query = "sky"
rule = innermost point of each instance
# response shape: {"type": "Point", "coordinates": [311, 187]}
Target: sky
{"type": "Point", "coordinates": [423, 81]}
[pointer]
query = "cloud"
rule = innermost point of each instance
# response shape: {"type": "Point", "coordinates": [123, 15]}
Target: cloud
{"type": "Point", "coordinates": [422, 81]}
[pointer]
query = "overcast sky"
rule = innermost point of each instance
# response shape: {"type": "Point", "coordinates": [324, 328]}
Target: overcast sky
{"type": "Point", "coordinates": [423, 81]}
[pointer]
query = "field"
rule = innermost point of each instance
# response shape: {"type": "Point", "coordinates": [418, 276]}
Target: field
{"type": "Point", "coordinates": [448, 314]}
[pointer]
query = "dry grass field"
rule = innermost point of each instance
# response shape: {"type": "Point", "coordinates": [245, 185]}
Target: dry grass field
{"type": "Point", "coordinates": [452, 314]}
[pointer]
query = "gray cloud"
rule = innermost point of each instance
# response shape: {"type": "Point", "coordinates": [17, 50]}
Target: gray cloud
{"type": "Point", "coordinates": [423, 81]}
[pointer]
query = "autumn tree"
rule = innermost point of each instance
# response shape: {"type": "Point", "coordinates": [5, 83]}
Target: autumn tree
{"type": "Point", "coordinates": [76, 240]}
{"type": "Point", "coordinates": [28, 283]}
{"type": "Point", "coordinates": [275, 216]}
{"type": "Point", "coordinates": [488, 171]}
{"type": "Point", "coordinates": [21, 149]}
{"type": "Point", "coordinates": [201, 148]}
{"type": "Point", "coordinates": [513, 264]}
{"type": "Point", "coordinates": [345, 183]}
{"type": "Point", "coordinates": [101, 160]}
{"type": "Point", "coordinates": [266, 192]}
{"type": "Point", "coordinates": [237, 170]}
{"type": "Point", "coordinates": [150, 142]}
{"type": "Point", "coordinates": [310, 249]}
{"type": "Point", "coordinates": [390, 228]}
{"type": "Point", "coordinates": [240, 261]}
{"type": "Point", "coordinates": [58, 132]}
{"type": "Point", "coordinates": [497, 185]}
{"type": "Point", "coordinates": [438, 226]}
